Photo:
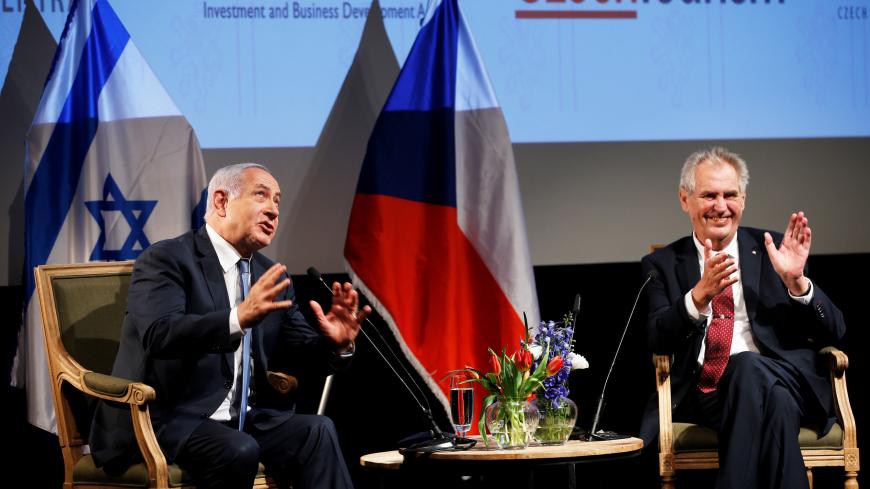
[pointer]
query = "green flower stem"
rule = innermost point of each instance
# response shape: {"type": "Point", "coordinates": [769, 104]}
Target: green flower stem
{"type": "Point", "coordinates": [555, 425]}
{"type": "Point", "coordinates": [512, 414]}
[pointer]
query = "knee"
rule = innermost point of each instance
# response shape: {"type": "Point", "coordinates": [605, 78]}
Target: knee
{"type": "Point", "coordinates": [746, 362]}
{"type": "Point", "coordinates": [245, 457]}
{"type": "Point", "coordinates": [322, 426]}
{"type": "Point", "coordinates": [783, 407]}
{"type": "Point", "coordinates": [248, 450]}
{"type": "Point", "coordinates": [744, 368]}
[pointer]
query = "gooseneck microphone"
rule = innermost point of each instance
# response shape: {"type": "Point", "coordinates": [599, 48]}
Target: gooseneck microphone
{"type": "Point", "coordinates": [575, 312]}
{"type": "Point", "coordinates": [435, 439]}
{"type": "Point", "coordinates": [594, 433]}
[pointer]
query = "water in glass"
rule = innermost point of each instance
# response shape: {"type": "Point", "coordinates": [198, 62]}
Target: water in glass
{"type": "Point", "coordinates": [461, 408]}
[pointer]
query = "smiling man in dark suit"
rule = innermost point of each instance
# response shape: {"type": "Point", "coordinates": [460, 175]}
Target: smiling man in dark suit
{"type": "Point", "coordinates": [743, 323]}
{"type": "Point", "coordinates": [207, 316]}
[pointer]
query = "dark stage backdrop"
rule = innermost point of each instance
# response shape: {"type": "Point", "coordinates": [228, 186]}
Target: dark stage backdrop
{"type": "Point", "coordinates": [372, 410]}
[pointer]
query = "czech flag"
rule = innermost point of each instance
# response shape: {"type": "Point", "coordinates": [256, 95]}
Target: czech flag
{"type": "Point", "coordinates": [436, 238]}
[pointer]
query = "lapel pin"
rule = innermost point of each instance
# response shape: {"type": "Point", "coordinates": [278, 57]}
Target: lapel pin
{"type": "Point", "coordinates": [754, 252]}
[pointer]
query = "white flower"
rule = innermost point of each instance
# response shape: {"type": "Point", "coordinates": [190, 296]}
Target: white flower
{"type": "Point", "coordinates": [577, 361]}
{"type": "Point", "coordinates": [537, 350]}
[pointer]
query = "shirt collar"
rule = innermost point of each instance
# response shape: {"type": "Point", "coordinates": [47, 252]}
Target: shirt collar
{"type": "Point", "coordinates": [731, 249]}
{"type": "Point", "coordinates": [227, 255]}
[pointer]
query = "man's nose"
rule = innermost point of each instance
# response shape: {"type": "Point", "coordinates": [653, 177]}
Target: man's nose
{"type": "Point", "coordinates": [719, 204]}
{"type": "Point", "coordinates": [272, 210]}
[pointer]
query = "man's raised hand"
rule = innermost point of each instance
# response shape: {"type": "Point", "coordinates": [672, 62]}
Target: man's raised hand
{"type": "Point", "coordinates": [717, 276]}
{"type": "Point", "coordinates": [342, 322]}
{"type": "Point", "coordinates": [261, 298]}
{"type": "Point", "coordinates": [790, 259]}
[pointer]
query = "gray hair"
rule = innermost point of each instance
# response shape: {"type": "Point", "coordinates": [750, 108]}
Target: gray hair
{"type": "Point", "coordinates": [716, 155]}
{"type": "Point", "coordinates": [228, 179]}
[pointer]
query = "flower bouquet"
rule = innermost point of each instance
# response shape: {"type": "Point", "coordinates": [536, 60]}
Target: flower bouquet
{"type": "Point", "coordinates": [557, 412]}
{"type": "Point", "coordinates": [508, 413]}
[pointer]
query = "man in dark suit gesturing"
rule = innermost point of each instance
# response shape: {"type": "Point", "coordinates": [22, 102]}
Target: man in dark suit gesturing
{"type": "Point", "coordinates": [743, 323]}
{"type": "Point", "coordinates": [207, 316]}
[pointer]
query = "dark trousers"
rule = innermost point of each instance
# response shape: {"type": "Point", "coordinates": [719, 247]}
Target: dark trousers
{"type": "Point", "coordinates": [757, 411]}
{"type": "Point", "coordinates": [303, 450]}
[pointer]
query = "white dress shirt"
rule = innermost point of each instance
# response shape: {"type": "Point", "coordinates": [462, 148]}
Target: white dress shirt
{"type": "Point", "coordinates": [229, 259]}
{"type": "Point", "coordinates": [742, 339]}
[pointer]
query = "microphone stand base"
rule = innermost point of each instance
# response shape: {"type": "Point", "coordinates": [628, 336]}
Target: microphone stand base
{"type": "Point", "coordinates": [423, 443]}
{"type": "Point", "coordinates": [602, 435]}
{"type": "Point", "coordinates": [430, 445]}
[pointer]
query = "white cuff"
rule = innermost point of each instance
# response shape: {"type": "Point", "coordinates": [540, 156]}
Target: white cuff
{"type": "Point", "coordinates": [806, 298]}
{"type": "Point", "coordinates": [235, 326]}
{"type": "Point", "coordinates": [693, 311]}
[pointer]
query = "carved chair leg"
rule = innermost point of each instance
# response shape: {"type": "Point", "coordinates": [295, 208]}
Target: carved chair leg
{"type": "Point", "coordinates": [851, 480]}
{"type": "Point", "coordinates": [668, 482]}
{"type": "Point", "coordinates": [810, 476]}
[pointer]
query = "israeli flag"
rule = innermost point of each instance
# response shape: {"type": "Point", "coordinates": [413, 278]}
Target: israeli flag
{"type": "Point", "coordinates": [111, 167]}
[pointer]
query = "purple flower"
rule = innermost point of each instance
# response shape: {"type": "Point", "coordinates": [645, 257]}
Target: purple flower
{"type": "Point", "coordinates": [559, 336]}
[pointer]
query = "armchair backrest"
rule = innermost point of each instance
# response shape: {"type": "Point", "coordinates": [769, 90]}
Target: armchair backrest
{"type": "Point", "coordinates": [83, 308]}
{"type": "Point", "coordinates": [90, 312]}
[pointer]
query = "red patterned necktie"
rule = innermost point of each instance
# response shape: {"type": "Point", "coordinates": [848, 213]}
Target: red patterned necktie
{"type": "Point", "coordinates": [718, 341]}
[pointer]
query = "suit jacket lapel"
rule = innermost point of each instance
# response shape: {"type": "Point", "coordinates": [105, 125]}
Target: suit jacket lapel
{"type": "Point", "coordinates": [751, 254]}
{"type": "Point", "coordinates": [214, 279]}
{"type": "Point", "coordinates": [688, 271]}
{"type": "Point", "coordinates": [212, 271]}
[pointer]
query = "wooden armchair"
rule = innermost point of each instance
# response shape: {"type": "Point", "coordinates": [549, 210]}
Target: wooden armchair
{"type": "Point", "coordinates": [685, 446]}
{"type": "Point", "coordinates": [83, 308]}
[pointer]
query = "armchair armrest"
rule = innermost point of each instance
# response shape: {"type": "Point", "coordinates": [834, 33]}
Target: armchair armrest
{"type": "Point", "coordinates": [136, 394]}
{"type": "Point", "coordinates": [281, 382]}
{"type": "Point", "coordinates": [116, 389]}
{"type": "Point", "coordinates": [666, 430]}
{"type": "Point", "coordinates": [837, 361]}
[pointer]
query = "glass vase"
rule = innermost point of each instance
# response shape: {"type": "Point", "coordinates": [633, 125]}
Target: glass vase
{"type": "Point", "coordinates": [557, 418]}
{"type": "Point", "coordinates": [511, 422]}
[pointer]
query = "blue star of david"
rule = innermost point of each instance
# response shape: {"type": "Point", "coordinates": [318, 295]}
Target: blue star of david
{"type": "Point", "coordinates": [128, 209]}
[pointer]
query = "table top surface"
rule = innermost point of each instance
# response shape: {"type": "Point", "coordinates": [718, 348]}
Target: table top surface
{"type": "Point", "coordinates": [393, 460]}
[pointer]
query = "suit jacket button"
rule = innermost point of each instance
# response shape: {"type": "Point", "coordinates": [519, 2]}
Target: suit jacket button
{"type": "Point", "coordinates": [228, 384]}
{"type": "Point", "coordinates": [203, 415]}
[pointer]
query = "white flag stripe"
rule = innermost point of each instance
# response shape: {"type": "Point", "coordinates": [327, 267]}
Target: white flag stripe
{"type": "Point", "coordinates": [486, 179]}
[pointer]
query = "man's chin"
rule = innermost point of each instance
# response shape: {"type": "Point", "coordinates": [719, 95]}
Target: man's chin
{"type": "Point", "coordinates": [261, 241]}
{"type": "Point", "coordinates": [719, 234]}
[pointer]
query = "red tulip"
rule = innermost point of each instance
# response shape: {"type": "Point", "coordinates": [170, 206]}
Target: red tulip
{"type": "Point", "coordinates": [523, 360]}
{"type": "Point", "coordinates": [531, 397]}
{"type": "Point", "coordinates": [495, 364]}
{"type": "Point", "coordinates": [554, 365]}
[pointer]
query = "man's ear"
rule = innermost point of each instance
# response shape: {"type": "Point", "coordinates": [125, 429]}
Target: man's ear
{"type": "Point", "coordinates": [219, 200]}
{"type": "Point", "coordinates": [684, 200]}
